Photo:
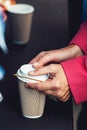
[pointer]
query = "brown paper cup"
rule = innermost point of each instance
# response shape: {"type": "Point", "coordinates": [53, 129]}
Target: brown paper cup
{"type": "Point", "coordinates": [20, 22]}
{"type": "Point", "coordinates": [32, 101]}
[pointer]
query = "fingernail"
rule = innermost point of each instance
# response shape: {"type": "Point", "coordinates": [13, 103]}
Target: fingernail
{"type": "Point", "coordinates": [31, 72]}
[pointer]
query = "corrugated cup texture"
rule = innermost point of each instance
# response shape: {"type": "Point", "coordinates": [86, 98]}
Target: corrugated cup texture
{"type": "Point", "coordinates": [32, 101]}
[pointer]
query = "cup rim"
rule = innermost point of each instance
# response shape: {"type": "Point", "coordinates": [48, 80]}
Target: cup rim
{"type": "Point", "coordinates": [14, 8]}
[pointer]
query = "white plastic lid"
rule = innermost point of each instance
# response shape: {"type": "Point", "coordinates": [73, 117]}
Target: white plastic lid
{"type": "Point", "coordinates": [25, 69]}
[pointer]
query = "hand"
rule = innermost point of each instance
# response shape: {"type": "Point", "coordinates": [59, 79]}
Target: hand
{"type": "Point", "coordinates": [56, 85]}
{"type": "Point", "coordinates": [57, 56]}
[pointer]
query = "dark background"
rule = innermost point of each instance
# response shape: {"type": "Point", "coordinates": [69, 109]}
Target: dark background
{"type": "Point", "coordinates": [54, 24]}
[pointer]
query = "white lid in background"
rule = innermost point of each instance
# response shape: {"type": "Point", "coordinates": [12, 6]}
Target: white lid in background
{"type": "Point", "coordinates": [20, 8]}
{"type": "Point", "coordinates": [1, 97]}
{"type": "Point", "coordinates": [25, 69]}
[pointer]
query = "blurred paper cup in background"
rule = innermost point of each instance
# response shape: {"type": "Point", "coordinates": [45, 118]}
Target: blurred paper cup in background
{"type": "Point", "coordinates": [32, 101]}
{"type": "Point", "coordinates": [20, 22]}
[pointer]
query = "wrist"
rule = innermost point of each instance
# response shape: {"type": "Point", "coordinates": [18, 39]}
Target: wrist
{"type": "Point", "coordinates": [75, 51]}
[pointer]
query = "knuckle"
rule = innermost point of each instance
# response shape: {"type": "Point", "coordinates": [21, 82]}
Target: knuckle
{"type": "Point", "coordinates": [57, 86]}
{"type": "Point", "coordinates": [43, 52]}
{"type": "Point", "coordinates": [59, 94]}
{"type": "Point", "coordinates": [51, 66]}
{"type": "Point", "coordinates": [54, 87]}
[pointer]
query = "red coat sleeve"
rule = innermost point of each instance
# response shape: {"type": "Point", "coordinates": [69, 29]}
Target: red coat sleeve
{"type": "Point", "coordinates": [80, 38]}
{"type": "Point", "coordinates": [76, 68]}
{"type": "Point", "coordinates": [76, 73]}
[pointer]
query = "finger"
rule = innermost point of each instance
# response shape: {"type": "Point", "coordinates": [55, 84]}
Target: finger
{"type": "Point", "coordinates": [65, 97]}
{"type": "Point", "coordinates": [44, 60]}
{"type": "Point", "coordinates": [53, 93]}
{"type": "Point", "coordinates": [45, 70]}
{"type": "Point", "coordinates": [41, 86]}
{"type": "Point", "coordinates": [31, 85]}
{"type": "Point", "coordinates": [34, 60]}
{"type": "Point", "coordinates": [47, 57]}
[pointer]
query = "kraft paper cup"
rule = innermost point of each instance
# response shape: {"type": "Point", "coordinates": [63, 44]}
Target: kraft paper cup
{"type": "Point", "coordinates": [20, 22]}
{"type": "Point", "coordinates": [32, 101]}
